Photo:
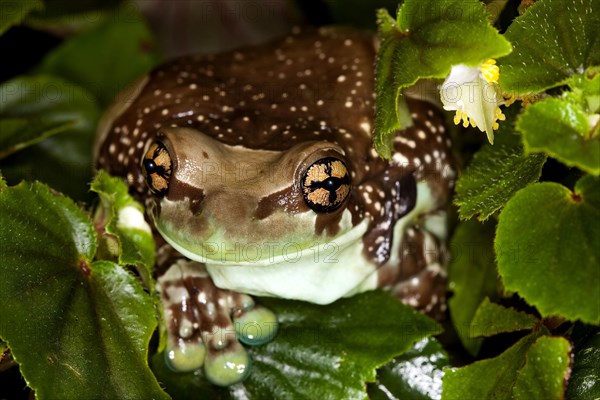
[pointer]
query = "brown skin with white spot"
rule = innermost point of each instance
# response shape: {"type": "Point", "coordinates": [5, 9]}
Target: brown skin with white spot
{"type": "Point", "coordinates": [276, 109]}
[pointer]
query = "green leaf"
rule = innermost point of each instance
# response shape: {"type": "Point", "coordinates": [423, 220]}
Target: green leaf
{"type": "Point", "coordinates": [72, 16]}
{"type": "Point", "coordinates": [323, 351]}
{"type": "Point", "coordinates": [414, 375]}
{"type": "Point", "coordinates": [546, 370]}
{"type": "Point", "coordinates": [64, 160]}
{"type": "Point", "coordinates": [492, 319]}
{"type": "Point", "coordinates": [352, 344]}
{"type": "Point", "coordinates": [547, 248]}
{"type": "Point", "coordinates": [425, 41]}
{"type": "Point", "coordinates": [589, 89]}
{"type": "Point", "coordinates": [560, 129]}
{"type": "Point", "coordinates": [585, 374]}
{"type": "Point", "coordinates": [33, 108]}
{"type": "Point", "coordinates": [77, 329]}
{"type": "Point", "coordinates": [13, 12]}
{"type": "Point", "coordinates": [472, 276]}
{"type": "Point", "coordinates": [553, 40]}
{"type": "Point", "coordinates": [106, 58]}
{"type": "Point", "coordinates": [488, 379]}
{"type": "Point", "coordinates": [124, 219]}
{"type": "Point", "coordinates": [495, 174]}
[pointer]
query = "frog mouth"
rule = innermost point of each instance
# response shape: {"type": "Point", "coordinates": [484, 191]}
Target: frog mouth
{"type": "Point", "coordinates": [319, 274]}
{"type": "Point", "coordinates": [256, 254]}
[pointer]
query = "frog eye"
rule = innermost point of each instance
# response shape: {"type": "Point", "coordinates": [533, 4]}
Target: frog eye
{"type": "Point", "coordinates": [326, 184]}
{"type": "Point", "coordinates": [157, 168]}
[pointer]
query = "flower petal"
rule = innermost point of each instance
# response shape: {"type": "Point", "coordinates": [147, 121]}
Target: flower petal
{"type": "Point", "coordinates": [474, 99]}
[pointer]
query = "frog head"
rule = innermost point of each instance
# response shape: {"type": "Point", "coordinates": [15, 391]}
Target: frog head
{"type": "Point", "coordinates": [263, 212]}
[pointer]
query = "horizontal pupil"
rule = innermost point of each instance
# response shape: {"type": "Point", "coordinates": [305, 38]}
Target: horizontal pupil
{"type": "Point", "coordinates": [331, 184]}
{"type": "Point", "coordinates": [150, 166]}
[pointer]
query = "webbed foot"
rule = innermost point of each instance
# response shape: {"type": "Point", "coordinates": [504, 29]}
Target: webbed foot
{"type": "Point", "coordinates": [205, 324]}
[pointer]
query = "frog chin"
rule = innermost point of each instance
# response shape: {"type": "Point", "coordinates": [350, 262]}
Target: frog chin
{"type": "Point", "coordinates": [293, 271]}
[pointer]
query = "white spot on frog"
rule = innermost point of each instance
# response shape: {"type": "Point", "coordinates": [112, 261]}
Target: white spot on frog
{"type": "Point", "coordinates": [365, 126]}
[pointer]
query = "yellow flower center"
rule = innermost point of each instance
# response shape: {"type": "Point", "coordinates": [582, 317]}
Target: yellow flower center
{"type": "Point", "coordinates": [490, 71]}
{"type": "Point", "coordinates": [466, 120]}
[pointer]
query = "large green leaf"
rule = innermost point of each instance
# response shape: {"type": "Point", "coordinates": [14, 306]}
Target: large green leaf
{"type": "Point", "coordinates": [351, 342]}
{"type": "Point", "coordinates": [546, 370]}
{"type": "Point", "coordinates": [106, 58]}
{"type": "Point", "coordinates": [495, 174]}
{"type": "Point", "coordinates": [321, 352]}
{"type": "Point", "coordinates": [13, 12]}
{"type": "Point", "coordinates": [561, 129]}
{"type": "Point", "coordinates": [472, 276]}
{"type": "Point", "coordinates": [123, 218]}
{"type": "Point", "coordinates": [77, 328]}
{"type": "Point", "coordinates": [548, 247]}
{"type": "Point", "coordinates": [584, 383]}
{"type": "Point", "coordinates": [425, 41]}
{"type": "Point", "coordinates": [493, 378]}
{"type": "Point", "coordinates": [492, 319]}
{"type": "Point", "coordinates": [33, 108]}
{"type": "Point", "coordinates": [553, 40]}
{"type": "Point", "coordinates": [415, 375]}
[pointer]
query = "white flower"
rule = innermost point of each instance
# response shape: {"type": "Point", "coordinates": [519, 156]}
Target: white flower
{"type": "Point", "coordinates": [474, 94]}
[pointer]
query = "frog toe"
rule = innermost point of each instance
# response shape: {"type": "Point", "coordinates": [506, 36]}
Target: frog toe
{"type": "Point", "coordinates": [224, 367]}
{"type": "Point", "coordinates": [182, 356]}
{"type": "Point", "coordinates": [256, 326]}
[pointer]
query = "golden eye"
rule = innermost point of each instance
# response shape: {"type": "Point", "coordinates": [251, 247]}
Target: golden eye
{"type": "Point", "coordinates": [326, 184]}
{"type": "Point", "coordinates": [156, 167]}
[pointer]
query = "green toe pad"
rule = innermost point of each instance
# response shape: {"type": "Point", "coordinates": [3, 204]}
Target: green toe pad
{"type": "Point", "coordinates": [226, 368]}
{"type": "Point", "coordinates": [257, 326]}
{"type": "Point", "coordinates": [185, 357]}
